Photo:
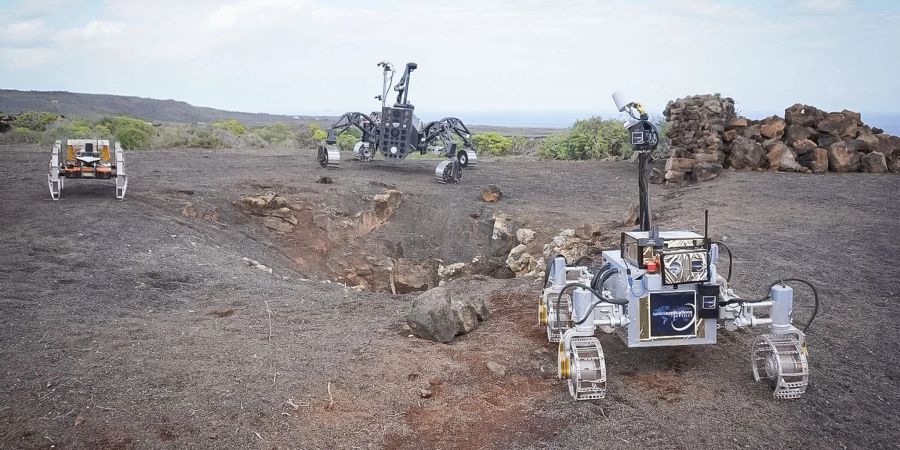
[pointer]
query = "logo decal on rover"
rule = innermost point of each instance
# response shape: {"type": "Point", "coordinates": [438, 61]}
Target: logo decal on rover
{"type": "Point", "coordinates": [673, 314]}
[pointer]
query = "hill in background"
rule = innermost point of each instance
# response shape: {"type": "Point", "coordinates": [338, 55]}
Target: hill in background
{"type": "Point", "coordinates": [95, 106]}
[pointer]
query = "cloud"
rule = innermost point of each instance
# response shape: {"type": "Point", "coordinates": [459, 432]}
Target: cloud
{"type": "Point", "coordinates": [825, 5]}
{"type": "Point", "coordinates": [23, 32]}
{"type": "Point", "coordinates": [525, 55]}
{"type": "Point", "coordinates": [26, 59]}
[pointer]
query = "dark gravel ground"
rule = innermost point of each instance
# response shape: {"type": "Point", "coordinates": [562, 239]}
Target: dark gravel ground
{"type": "Point", "coordinates": [133, 325]}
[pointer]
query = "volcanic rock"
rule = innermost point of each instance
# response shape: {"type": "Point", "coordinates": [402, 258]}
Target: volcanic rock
{"type": "Point", "coordinates": [411, 275]}
{"type": "Point", "coordinates": [842, 159]}
{"type": "Point", "coordinates": [746, 154]}
{"type": "Point", "coordinates": [491, 193]}
{"type": "Point", "coordinates": [442, 313]}
{"type": "Point", "coordinates": [705, 171]}
{"type": "Point", "coordinates": [874, 163]}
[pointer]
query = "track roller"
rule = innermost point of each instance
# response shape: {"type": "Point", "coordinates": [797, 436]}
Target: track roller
{"type": "Point", "coordinates": [781, 360]}
{"type": "Point", "coordinates": [582, 364]}
{"type": "Point", "coordinates": [329, 157]}
{"type": "Point", "coordinates": [448, 172]}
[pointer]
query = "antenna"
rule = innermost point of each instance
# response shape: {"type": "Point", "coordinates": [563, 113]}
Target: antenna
{"type": "Point", "coordinates": [706, 223]}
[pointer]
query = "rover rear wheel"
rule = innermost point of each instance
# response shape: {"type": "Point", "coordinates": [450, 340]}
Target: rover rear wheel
{"type": "Point", "coordinates": [781, 361]}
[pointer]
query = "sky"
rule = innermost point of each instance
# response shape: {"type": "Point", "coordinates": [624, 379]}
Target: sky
{"type": "Point", "coordinates": [501, 59]}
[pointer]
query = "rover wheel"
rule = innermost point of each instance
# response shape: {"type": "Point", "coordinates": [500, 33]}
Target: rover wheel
{"type": "Point", "coordinates": [448, 172]}
{"type": "Point", "coordinates": [468, 159]}
{"type": "Point", "coordinates": [585, 367]}
{"type": "Point", "coordinates": [781, 361]}
{"type": "Point", "coordinates": [328, 158]}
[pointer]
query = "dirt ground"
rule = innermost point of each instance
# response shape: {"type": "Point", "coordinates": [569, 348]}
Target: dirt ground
{"type": "Point", "coordinates": [137, 324]}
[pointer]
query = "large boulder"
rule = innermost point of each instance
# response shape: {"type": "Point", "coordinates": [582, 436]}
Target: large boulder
{"type": "Point", "coordinates": [819, 163]}
{"type": "Point", "coordinates": [705, 171]}
{"type": "Point", "coordinates": [825, 140]}
{"type": "Point", "coordinates": [839, 124]}
{"type": "Point", "coordinates": [874, 163]}
{"type": "Point", "coordinates": [746, 154]}
{"type": "Point", "coordinates": [869, 142]}
{"type": "Point", "coordinates": [803, 115]}
{"type": "Point", "coordinates": [412, 275]}
{"type": "Point", "coordinates": [772, 127]}
{"type": "Point", "coordinates": [680, 164]}
{"type": "Point", "coordinates": [802, 146]}
{"type": "Point", "coordinates": [888, 145]}
{"type": "Point", "coordinates": [520, 261]}
{"type": "Point", "coordinates": [752, 132]}
{"type": "Point", "coordinates": [503, 239]}
{"type": "Point", "coordinates": [782, 158]}
{"type": "Point", "coordinates": [795, 133]}
{"type": "Point", "coordinates": [842, 159]}
{"type": "Point", "coordinates": [729, 135]}
{"type": "Point", "coordinates": [853, 116]}
{"type": "Point", "coordinates": [815, 160]}
{"type": "Point", "coordinates": [442, 313]}
{"type": "Point", "coordinates": [738, 123]}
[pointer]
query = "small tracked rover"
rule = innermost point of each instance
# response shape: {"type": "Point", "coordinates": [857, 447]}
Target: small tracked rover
{"type": "Point", "coordinates": [87, 159]}
{"type": "Point", "coordinates": [396, 132]}
{"type": "Point", "coordinates": [663, 289]}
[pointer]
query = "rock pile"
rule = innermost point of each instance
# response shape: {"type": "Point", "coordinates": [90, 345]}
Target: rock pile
{"type": "Point", "coordinates": [706, 136]}
{"type": "Point", "coordinates": [697, 135]}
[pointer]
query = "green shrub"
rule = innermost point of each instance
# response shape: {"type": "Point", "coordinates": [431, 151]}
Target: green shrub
{"type": "Point", "coordinates": [253, 140]}
{"type": "Point", "coordinates": [204, 138]}
{"type": "Point", "coordinates": [318, 134]}
{"type": "Point", "coordinates": [552, 146]}
{"type": "Point", "coordinates": [189, 137]}
{"type": "Point", "coordinates": [232, 126]}
{"type": "Point", "coordinates": [346, 141]}
{"type": "Point", "coordinates": [493, 143]}
{"type": "Point", "coordinates": [22, 135]}
{"type": "Point", "coordinates": [277, 133]}
{"type": "Point", "coordinates": [133, 138]}
{"type": "Point", "coordinates": [34, 120]}
{"type": "Point", "coordinates": [592, 138]}
{"type": "Point", "coordinates": [131, 133]}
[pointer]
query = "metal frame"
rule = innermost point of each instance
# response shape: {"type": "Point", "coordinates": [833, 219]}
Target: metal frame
{"type": "Point", "coordinates": [78, 164]}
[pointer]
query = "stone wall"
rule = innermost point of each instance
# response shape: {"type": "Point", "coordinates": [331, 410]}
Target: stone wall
{"type": "Point", "coordinates": [706, 136]}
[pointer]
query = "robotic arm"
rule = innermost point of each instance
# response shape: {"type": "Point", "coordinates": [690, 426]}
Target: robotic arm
{"type": "Point", "coordinates": [402, 86]}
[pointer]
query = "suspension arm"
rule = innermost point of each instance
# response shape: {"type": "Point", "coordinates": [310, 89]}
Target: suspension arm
{"type": "Point", "coordinates": [358, 120]}
{"type": "Point", "coordinates": [445, 129]}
